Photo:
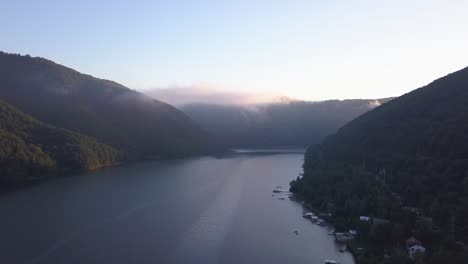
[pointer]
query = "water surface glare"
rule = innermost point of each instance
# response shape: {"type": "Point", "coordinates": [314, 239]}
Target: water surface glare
{"type": "Point", "coordinates": [200, 210]}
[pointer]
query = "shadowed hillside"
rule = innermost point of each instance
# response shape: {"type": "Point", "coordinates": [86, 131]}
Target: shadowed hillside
{"type": "Point", "coordinates": [115, 115]}
{"type": "Point", "coordinates": [410, 152]}
{"type": "Point", "coordinates": [288, 124]}
{"type": "Point", "coordinates": [30, 149]}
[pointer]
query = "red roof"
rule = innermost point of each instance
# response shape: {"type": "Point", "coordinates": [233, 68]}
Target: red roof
{"type": "Point", "coordinates": [413, 242]}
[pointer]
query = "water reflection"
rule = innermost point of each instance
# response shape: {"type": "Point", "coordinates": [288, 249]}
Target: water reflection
{"type": "Point", "coordinates": [201, 210]}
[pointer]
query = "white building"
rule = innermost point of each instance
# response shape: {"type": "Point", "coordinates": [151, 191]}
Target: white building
{"type": "Point", "coordinates": [364, 218]}
{"type": "Point", "coordinates": [416, 250]}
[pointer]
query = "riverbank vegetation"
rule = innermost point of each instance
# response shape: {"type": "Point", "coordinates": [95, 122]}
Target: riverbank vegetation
{"type": "Point", "coordinates": [404, 164]}
{"type": "Point", "coordinates": [55, 120]}
{"type": "Point", "coordinates": [30, 149]}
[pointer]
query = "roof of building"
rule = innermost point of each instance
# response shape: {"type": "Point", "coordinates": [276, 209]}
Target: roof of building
{"type": "Point", "coordinates": [413, 242]}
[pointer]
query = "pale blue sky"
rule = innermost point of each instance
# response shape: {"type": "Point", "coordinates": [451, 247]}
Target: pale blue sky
{"type": "Point", "coordinates": [306, 49]}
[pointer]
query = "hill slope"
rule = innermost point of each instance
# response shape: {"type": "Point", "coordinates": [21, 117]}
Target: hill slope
{"type": "Point", "coordinates": [411, 151]}
{"type": "Point", "coordinates": [291, 124]}
{"type": "Point", "coordinates": [108, 111]}
{"type": "Point", "coordinates": [30, 148]}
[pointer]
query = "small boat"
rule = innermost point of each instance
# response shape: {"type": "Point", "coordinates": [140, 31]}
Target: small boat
{"type": "Point", "coordinates": [343, 237]}
{"type": "Point", "coordinates": [277, 191]}
{"type": "Point", "coordinates": [308, 215]}
{"type": "Point", "coordinates": [330, 261]}
{"type": "Point", "coordinates": [282, 198]}
{"type": "Point", "coordinates": [321, 223]}
{"type": "Point", "coordinates": [343, 249]}
{"type": "Point", "coordinates": [296, 232]}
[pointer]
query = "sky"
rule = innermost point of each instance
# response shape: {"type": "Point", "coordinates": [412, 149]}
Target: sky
{"type": "Point", "coordinates": [311, 50]}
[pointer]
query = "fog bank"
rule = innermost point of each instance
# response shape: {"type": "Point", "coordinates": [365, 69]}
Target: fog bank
{"type": "Point", "coordinates": [208, 94]}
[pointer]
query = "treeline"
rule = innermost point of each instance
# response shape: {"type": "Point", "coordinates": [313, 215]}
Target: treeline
{"type": "Point", "coordinates": [80, 111]}
{"type": "Point", "coordinates": [286, 124]}
{"type": "Point", "coordinates": [30, 149]}
{"type": "Point", "coordinates": [112, 113]}
{"type": "Point", "coordinates": [405, 161]}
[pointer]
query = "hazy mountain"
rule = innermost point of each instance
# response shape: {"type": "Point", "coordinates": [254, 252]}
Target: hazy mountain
{"type": "Point", "coordinates": [287, 124]}
{"type": "Point", "coordinates": [412, 150]}
{"type": "Point", "coordinates": [205, 93]}
{"type": "Point", "coordinates": [30, 148]}
{"type": "Point", "coordinates": [113, 114]}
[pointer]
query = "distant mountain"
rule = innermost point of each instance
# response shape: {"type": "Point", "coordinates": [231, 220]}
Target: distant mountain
{"type": "Point", "coordinates": [286, 124]}
{"type": "Point", "coordinates": [205, 93]}
{"type": "Point", "coordinates": [113, 114]}
{"type": "Point", "coordinates": [411, 151]}
{"type": "Point", "coordinates": [30, 149]}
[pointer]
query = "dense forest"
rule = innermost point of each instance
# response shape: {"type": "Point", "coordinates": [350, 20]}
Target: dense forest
{"type": "Point", "coordinates": [286, 124]}
{"type": "Point", "coordinates": [30, 149]}
{"type": "Point", "coordinates": [405, 161]}
{"type": "Point", "coordinates": [113, 114]}
{"type": "Point", "coordinates": [56, 120]}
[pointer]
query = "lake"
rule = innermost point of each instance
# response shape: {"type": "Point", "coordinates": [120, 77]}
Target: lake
{"type": "Point", "coordinates": [199, 210]}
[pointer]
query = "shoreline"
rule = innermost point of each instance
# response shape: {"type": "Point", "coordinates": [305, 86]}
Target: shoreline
{"type": "Point", "coordinates": [16, 185]}
{"type": "Point", "coordinates": [328, 219]}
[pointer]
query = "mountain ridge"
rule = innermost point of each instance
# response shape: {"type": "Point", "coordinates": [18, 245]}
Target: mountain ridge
{"type": "Point", "coordinates": [288, 124]}
{"type": "Point", "coordinates": [31, 149]}
{"type": "Point", "coordinates": [411, 152]}
{"type": "Point", "coordinates": [110, 112]}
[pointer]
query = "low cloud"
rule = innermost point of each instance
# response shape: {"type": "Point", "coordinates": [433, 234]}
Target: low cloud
{"type": "Point", "coordinates": [374, 103]}
{"type": "Point", "coordinates": [209, 94]}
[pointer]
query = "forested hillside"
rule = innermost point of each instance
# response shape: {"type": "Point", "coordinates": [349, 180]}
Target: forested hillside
{"type": "Point", "coordinates": [411, 152]}
{"type": "Point", "coordinates": [113, 114]}
{"type": "Point", "coordinates": [288, 124]}
{"type": "Point", "coordinates": [30, 149]}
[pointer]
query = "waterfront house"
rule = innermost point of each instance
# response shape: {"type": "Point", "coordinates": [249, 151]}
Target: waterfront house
{"type": "Point", "coordinates": [364, 218]}
{"type": "Point", "coordinates": [343, 237]}
{"type": "Point", "coordinates": [416, 250]}
{"type": "Point", "coordinates": [414, 247]}
{"type": "Point", "coordinates": [413, 242]}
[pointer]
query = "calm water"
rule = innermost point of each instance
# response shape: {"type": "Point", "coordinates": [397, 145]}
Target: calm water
{"type": "Point", "coordinates": [202, 210]}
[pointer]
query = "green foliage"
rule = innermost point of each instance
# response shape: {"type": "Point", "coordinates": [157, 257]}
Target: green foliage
{"type": "Point", "coordinates": [18, 158]}
{"type": "Point", "coordinates": [30, 148]}
{"type": "Point", "coordinates": [113, 114]}
{"type": "Point", "coordinates": [411, 151]}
